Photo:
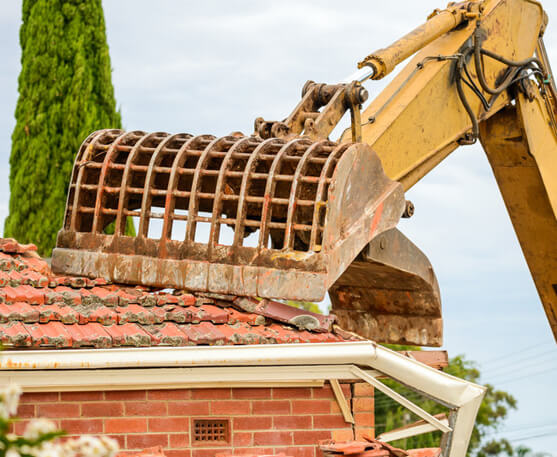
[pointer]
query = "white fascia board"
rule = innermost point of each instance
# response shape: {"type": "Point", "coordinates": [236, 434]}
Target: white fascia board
{"type": "Point", "coordinates": [172, 378]}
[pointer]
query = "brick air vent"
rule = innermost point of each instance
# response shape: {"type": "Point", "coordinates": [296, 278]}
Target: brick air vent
{"type": "Point", "coordinates": [211, 431]}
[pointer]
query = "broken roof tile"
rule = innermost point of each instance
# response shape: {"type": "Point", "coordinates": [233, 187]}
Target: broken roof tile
{"type": "Point", "coordinates": [248, 318]}
{"type": "Point", "coordinates": [300, 318]}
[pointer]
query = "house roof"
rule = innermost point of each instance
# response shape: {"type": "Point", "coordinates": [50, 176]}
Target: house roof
{"type": "Point", "coordinates": [39, 309]}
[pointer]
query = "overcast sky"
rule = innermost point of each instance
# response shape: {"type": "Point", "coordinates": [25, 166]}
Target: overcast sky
{"type": "Point", "coordinates": [213, 66]}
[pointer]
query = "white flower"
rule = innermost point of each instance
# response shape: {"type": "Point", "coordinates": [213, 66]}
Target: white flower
{"type": "Point", "coordinates": [10, 399]}
{"type": "Point", "coordinates": [48, 449]}
{"type": "Point", "coordinates": [91, 447]}
{"type": "Point", "coordinates": [110, 445]}
{"type": "Point", "coordinates": [88, 446]}
{"type": "Point", "coordinates": [11, 452]}
{"type": "Point", "coordinates": [26, 449]}
{"type": "Point", "coordinates": [4, 414]}
{"type": "Point", "coordinates": [38, 427]}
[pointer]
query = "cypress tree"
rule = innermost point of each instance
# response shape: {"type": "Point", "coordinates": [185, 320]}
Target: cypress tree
{"type": "Point", "coordinates": [65, 93]}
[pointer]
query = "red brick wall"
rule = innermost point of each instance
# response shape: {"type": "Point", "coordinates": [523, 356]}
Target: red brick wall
{"type": "Point", "coordinates": [268, 420]}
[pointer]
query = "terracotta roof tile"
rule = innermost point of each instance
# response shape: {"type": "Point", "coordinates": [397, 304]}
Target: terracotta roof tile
{"type": "Point", "coordinates": [168, 334]}
{"type": "Point", "coordinates": [15, 334]}
{"type": "Point", "coordinates": [18, 311]}
{"type": "Point", "coordinates": [52, 334]}
{"type": "Point", "coordinates": [55, 312]}
{"type": "Point", "coordinates": [40, 309]}
{"type": "Point", "coordinates": [91, 335]}
{"type": "Point", "coordinates": [127, 335]}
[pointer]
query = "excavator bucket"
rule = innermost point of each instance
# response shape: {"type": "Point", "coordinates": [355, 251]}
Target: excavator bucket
{"type": "Point", "coordinates": [390, 293]}
{"type": "Point", "coordinates": [280, 218]}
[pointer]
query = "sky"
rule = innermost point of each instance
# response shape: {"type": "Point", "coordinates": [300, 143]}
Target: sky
{"type": "Point", "coordinates": [213, 67]}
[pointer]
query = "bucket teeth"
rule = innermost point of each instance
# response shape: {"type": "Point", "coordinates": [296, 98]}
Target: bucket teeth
{"type": "Point", "coordinates": [276, 218]}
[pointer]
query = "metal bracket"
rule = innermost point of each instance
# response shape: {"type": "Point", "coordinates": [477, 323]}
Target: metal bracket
{"type": "Point", "coordinates": [306, 119]}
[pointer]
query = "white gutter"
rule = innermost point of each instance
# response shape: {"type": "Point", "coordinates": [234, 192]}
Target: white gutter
{"type": "Point", "coordinates": [199, 356]}
{"type": "Point", "coordinates": [461, 396]}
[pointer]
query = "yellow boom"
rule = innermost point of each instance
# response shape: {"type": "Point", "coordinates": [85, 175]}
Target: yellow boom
{"type": "Point", "coordinates": [420, 118]}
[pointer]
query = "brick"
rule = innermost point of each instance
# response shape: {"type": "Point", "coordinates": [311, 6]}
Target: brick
{"type": "Point", "coordinates": [211, 394]}
{"type": "Point", "coordinates": [169, 424]}
{"type": "Point", "coordinates": [299, 451]}
{"type": "Point", "coordinates": [39, 397]}
{"type": "Point", "coordinates": [323, 392]}
{"type": "Point", "coordinates": [252, 423]}
{"type": "Point", "coordinates": [54, 410]}
{"type": "Point", "coordinates": [169, 394]}
{"type": "Point", "coordinates": [252, 393]}
{"type": "Point", "coordinates": [230, 407]}
{"type": "Point", "coordinates": [292, 422]}
{"type": "Point", "coordinates": [362, 404]}
{"type": "Point", "coordinates": [311, 406]}
{"type": "Point", "coordinates": [102, 409]}
{"type": "Point", "coordinates": [146, 440]}
{"type": "Point", "coordinates": [272, 438]}
{"type": "Point", "coordinates": [19, 427]}
{"type": "Point", "coordinates": [329, 421]}
{"type": "Point", "coordinates": [311, 436]}
{"type": "Point", "coordinates": [364, 419]}
{"type": "Point", "coordinates": [82, 426]}
{"type": "Point", "coordinates": [213, 452]}
{"type": "Point", "coordinates": [362, 432]}
{"type": "Point", "coordinates": [327, 392]}
{"type": "Point", "coordinates": [177, 453]}
{"type": "Point", "coordinates": [291, 392]}
{"type": "Point", "coordinates": [81, 396]}
{"type": "Point", "coordinates": [188, 408]}
{"type": "Point", "coordinates": [179, 440]}
{"type": "Point", "coordinates": [145, 408]}
{"type": "Point", "coordinates": [120, 439]}
{"type": "Point", "coordinates": [270, 407]}
{"type": "Point", "coordinates": [251, 451]}
{"type": "Point", "coordinates": [363, 389]}
{"type": "Point", "coordinates": [125, 425]}
{"type": "Point", "coordinates": [26, 411]}
{"type": "Point", "coordinates": [335, 408]}
{"type": "Point", "coordinates": [343, 435]}
{"type": "Point", "coordinates": [126, 395]}
{"type": "Point", "coordinates": [242, 439]}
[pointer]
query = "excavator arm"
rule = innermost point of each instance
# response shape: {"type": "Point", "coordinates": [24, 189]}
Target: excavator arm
{"type": "Point", "coordinates": [431, 108]}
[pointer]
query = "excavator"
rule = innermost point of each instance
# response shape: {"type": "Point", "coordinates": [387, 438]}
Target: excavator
{"type": "Point", "coordinates": [311, 216]}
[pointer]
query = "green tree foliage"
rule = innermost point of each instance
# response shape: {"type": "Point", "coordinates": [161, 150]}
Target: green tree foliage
{"type": "Point", "coordinates": [307, 305]}
{"type": "Point", "coordinates": [65, 93]}
{"type": "Point", "coordinates": [492, 413]}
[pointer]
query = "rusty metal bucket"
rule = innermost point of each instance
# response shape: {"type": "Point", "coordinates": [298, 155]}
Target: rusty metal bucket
{"type": "Point", "coordinates": [298, 212]}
